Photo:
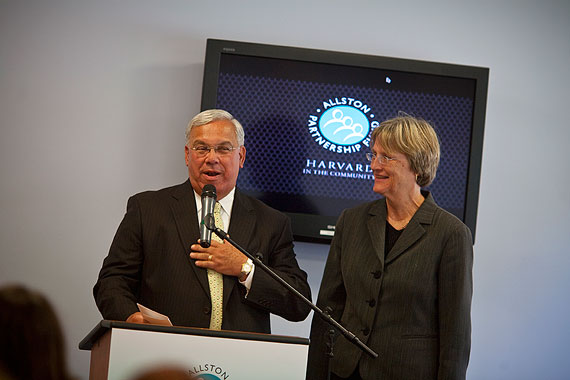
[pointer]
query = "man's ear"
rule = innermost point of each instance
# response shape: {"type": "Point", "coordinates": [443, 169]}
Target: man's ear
{"type": "Point", "coordinates": [241, 156]}
{"type": "Point", "coordinates": [186, 154]}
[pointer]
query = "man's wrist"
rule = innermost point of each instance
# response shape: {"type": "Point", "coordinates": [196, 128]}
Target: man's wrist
{"type": "Point", "coordinates": [245, 270]}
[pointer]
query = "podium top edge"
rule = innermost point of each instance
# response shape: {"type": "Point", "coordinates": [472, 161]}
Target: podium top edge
{"type": "Point", "coordinates": [104, 325]}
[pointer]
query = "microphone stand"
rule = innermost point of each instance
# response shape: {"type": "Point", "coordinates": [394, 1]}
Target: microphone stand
{"type": "Point", "coordinates": [324, 315]}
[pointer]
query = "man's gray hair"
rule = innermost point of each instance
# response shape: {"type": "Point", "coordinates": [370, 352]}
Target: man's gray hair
{"type": "Point", "coordinates": [208, 116]}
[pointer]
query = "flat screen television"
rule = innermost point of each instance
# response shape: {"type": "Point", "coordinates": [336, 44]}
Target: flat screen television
{"type": "Point", "coordinates": [308, 115]}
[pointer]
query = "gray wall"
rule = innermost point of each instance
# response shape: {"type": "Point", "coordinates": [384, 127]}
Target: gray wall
{"type": "Point", "coordinates": [95, 96]}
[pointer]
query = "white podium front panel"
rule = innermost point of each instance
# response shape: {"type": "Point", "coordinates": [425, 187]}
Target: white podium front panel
{"type": "Point", "coordinates": [211, 358]}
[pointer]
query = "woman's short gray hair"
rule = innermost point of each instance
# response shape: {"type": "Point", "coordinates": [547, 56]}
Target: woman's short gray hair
{"type": "Point", "coordinates": [208, 116]}
{"type": "Point", "coordinates": [416, 139]}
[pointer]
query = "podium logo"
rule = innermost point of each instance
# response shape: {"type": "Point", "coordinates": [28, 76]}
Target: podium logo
{"type": "Point", "coordinates": [209, 372]}
{"type": "Point", "coordinates": [342, 125]}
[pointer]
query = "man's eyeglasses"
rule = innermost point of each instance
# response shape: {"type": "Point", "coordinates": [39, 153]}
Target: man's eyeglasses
{"type": "Point", "coordinates": [220, 150]}
{"type": "Point", "coordinates": [381, 159]}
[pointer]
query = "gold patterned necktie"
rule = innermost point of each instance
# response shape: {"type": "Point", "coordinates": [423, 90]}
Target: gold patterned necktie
{"type": "Point", "coordinates": [216, 280]}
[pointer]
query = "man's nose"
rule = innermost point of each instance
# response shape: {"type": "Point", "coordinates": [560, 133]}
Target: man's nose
{"type": "Point", "coordinates": [212, 155]}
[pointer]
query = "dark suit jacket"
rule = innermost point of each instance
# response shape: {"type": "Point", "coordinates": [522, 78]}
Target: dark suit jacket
{"type": "Point", "coordinates": [412, 307]}
{"type": "Point", "coordinates": [149, 263]}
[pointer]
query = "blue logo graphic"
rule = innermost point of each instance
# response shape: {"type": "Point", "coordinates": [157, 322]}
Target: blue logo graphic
{"type": "Point", "coordinates": [344, 125]}
{"type": "Point", "coordinates": [207, 376]}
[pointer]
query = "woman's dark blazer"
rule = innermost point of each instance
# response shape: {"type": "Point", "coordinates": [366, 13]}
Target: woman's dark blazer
{"type": "Point", "coordinates": [412, 307]}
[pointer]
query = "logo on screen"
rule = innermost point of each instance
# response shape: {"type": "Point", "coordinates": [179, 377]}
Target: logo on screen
{"type": "Point", "coordinates": [342, 125]}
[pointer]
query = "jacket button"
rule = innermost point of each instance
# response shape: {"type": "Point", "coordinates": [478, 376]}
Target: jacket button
{"type": "Point", "coordinates": [377, 274]}
{"type": "Point", "coordinates": [206, 310]}
{"type": "Point", "coordinates": [372, 302]}
{"type": "Point", "coordinates": [366, 331]}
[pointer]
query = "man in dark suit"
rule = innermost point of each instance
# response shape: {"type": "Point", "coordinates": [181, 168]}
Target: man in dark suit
{"type": "Point", "coordinates": [155, 258]}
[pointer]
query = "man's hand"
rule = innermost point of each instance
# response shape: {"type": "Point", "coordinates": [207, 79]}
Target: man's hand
{"type": "Point", "coordinates": [136, 318]}
{"type": "Point", "coordinates": [221, 257]}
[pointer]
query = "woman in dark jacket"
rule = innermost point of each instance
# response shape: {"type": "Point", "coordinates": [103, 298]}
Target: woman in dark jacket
{"type": "Point", "coordinates": [399, 271]}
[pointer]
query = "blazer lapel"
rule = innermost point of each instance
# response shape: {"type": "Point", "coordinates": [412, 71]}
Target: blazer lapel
{"type": "Point", "coordinates": [242, 224]}
{"type": "Point", "coordinates": [186, 218]}
{"type": "Point", "coordinates": [377, 227]}
{"type": "Point", "coordinates": [415, 229]}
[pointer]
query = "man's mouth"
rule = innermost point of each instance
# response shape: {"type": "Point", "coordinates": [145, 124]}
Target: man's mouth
{"type": "Point", "coordinates": [211, 173]}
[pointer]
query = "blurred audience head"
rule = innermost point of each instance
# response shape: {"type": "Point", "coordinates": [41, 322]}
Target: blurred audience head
{"type": "Point", "coordinates": [165, 373]}
{"type": "Point", "coordinates": [32, 340]}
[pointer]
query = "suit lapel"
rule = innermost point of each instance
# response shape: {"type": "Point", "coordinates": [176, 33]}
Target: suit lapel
{"type": "Point", "coordinates": [185, 216]}
{"type": "Point", "coordinates": [242, 224]}
{"type": "Point", "coordinates": [415, 229]}
{"type": "Point", "coordinates": [377, 227]}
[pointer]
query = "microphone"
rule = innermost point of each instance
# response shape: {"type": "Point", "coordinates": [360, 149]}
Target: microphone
{"type": "Point", "coordinates": [208, 202]}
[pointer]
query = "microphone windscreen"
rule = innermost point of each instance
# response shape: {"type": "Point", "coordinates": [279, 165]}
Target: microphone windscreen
{"type": "Point", "coordinates": [209, 191]}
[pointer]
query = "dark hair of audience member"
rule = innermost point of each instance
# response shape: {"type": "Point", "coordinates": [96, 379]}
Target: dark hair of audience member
{"type": "Point", "coordinates": [165, 373]}
{"type": "Point", "coordinates": [32, 340]}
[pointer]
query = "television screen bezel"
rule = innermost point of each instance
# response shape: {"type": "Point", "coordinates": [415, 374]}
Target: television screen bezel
{"type": "Point", "coordinates": [303, 224]}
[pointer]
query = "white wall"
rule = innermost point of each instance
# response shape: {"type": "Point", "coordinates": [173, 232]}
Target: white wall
{"type": "Point", "coordinates": [95, 96]}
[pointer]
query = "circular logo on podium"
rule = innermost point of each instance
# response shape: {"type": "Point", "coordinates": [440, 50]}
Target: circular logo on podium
{"type": "Point", "coordinates": [209, 372]}
{"type": "Point", "coordinates": [207, 376]}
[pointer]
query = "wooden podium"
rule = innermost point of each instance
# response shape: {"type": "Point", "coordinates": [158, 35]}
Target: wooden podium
{"type": "Point", "coordinates": [120, 350]}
